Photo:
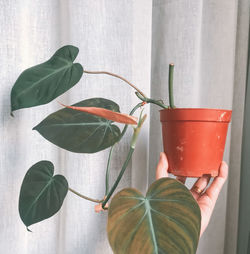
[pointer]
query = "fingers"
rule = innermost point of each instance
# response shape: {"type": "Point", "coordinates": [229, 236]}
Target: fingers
{"type": "Point", "coordinates": [162, 167]}
{"type": "Point", "coordinates": [200, 185]}
{"type": "Point", "coordinates": [182, 179]}
{"type": "Point", "coordinates": [214, 189]}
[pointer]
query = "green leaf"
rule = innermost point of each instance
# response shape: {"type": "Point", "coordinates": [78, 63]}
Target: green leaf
{"type": "Point", "coordinates": [167, 220]}
{"type": "Point", "coordinates": [81, 132]}
{"type": "Point", "coordinates": [41, 194]}
{"type": "Point", "coordinates": [44, 82]}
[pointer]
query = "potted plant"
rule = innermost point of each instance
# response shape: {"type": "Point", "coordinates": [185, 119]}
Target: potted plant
{"type": "Point", "coordinates": [165, 220]}
{"type": "Point", "coordinates": [194, 138]}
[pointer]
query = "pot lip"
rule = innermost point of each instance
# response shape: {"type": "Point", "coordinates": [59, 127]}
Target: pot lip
{"type": "Point", "coordinates": [212, 109]}
{"type": "Point", "coordinates": [195, 114]}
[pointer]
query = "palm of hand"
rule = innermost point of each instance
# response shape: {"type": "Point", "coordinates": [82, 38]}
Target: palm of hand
{"type": "Point", "coordinates": [209, 194]}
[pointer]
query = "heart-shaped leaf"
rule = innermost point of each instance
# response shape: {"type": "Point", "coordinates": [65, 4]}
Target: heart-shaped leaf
{"type": "Point", "coordinates": [81, 132]}
{"type": "Point", "coordinates": [167, 220]}
{"type": "Point", "coordinates": [41, 194]}
{"type": "Point", "coordinates": [42, 83]}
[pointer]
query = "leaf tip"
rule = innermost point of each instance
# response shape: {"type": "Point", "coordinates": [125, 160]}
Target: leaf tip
{"type": "Point", "coordinates": [66, 106]}
{"type": "Point", "coordinates": [28, 230]}
{"type": "Point", "coordinates": [61, 104]}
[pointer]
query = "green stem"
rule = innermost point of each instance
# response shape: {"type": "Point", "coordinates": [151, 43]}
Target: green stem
{"type": "Point", "coordinates": [125, 164]}
{"type": "Point", "coordinates": [137, 130]}
{"type": "Point", "coordinates": [170, 85]}
{"type": "Point", "coordinates": [107, 170]}
{"type": "Point", "coordinates": [131, 113]}
{"type": "Point", "coordinates": [148, 100]}
{"type": "Point", "coordinates": [110, 152]}
{"type": "Point", "coordinates": [131, 150]}
{"type": "Point", "coordinates": [85, 197]}
{"type": "Point", "coordinates": [117, 76]}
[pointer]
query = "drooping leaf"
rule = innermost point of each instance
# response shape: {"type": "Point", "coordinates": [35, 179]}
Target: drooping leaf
{"type": "Point", "coordinates": [81, 132]}
{"type": "Point", "coordinates": [41, 194]}
{"type": "Point", "coordinates": [167, 220]}
{"type": "Point", "coordinates": [107, 114]}
{"type": "Point", "coordinates": [42, 83]}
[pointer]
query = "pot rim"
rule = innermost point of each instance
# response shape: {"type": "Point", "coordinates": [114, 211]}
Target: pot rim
{"type": "Point", "coordinates": [196, 115]}
{"type": "Point", "coordinates": [212, 109]}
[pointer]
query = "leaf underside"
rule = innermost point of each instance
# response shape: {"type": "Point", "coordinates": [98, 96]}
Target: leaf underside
{"type": "Point", "coordinates": [41, 194]}
{"type": "Point", "coordinates": [43, 83]}
{"type": "Point", "coordinates": [167, 220]}
{"type": "Point", "coordinates": [81, 132]}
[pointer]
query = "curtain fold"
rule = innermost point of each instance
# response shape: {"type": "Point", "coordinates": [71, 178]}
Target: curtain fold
{"type": "Point", "coordinates": [200, 38]}
{"type": "Point", "coordinates": [137, 40]}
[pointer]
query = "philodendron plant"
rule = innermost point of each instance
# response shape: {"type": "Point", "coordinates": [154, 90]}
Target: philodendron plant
{"type": "Point", "coordinates": [165, 220]}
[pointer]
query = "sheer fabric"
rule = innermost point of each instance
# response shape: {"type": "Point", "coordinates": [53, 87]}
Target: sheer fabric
{"type": "Point", "coordinates": [136, 39]}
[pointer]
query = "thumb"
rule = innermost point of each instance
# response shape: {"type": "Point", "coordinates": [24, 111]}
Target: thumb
{"type": "Point", "coordinates": [162, 167]}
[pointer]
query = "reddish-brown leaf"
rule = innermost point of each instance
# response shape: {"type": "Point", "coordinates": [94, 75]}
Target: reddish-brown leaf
{"type": "Point", "coordinates": [107, 114]}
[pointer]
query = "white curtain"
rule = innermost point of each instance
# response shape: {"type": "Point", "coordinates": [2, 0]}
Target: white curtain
{"type": "Point", "coordinates": [136, 39]}
{"type": "Point", "coordinates": [204, 39]}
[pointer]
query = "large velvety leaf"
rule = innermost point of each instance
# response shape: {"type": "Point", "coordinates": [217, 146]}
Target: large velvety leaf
{"type": "Point", "coordinates": [41, 194]}
{"type": "Point", "coordinates": [167, 220]}
{"type": "Point", "coordinates": [44, 82]}
{"type": "Point", "coordinates": [80, 132]}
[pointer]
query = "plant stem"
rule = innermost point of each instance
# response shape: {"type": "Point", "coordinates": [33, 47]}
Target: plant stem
{"type": "Point", "coordinates": [117, 76]}
{"type": "Point", "coordinates": [125, 164]}
{"type": "Point", "coordinates": [107, 170]}
{"type": "Point", "coordinates": [85, 197]}
{"type": "Point", "coordinates": [131, 113]}
{"type": "Point", "coordinates": [137, 130]}
{"type": "Point", "coordinates": [170, 85]}
{"type": "Point", "coordinates": [110, 152]}
{"type": "Point", "coordinates": [148, 100]}
{"type": "Point", "coordinates": [131, 150]}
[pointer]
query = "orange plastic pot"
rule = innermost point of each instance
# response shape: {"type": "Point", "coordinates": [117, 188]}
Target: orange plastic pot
{"type": "Point", "coordinates": [194, 139]}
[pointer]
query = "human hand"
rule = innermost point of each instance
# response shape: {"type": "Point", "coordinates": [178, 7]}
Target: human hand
{"type": "Point", "coordinates": [206, 197]}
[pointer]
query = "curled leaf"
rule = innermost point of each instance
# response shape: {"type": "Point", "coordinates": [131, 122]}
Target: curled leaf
{"type": "Point", "coordinates": [107, 114]}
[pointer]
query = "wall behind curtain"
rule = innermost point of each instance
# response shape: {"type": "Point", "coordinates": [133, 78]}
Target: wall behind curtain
{"type": "Point", "coordinates": [198, 36]}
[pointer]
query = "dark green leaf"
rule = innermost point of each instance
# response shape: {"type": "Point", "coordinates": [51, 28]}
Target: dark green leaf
{"type": "Point", "coordinates": [41, 194]}
{"type": "Point", "coordinates": [44, 82]}
{"type": "Point", "coordinates": [81, 132]}
{"type": "Point", "coordinates": [167, 220]}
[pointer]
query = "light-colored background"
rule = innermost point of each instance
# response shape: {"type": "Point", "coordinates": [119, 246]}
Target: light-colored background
{"type": "Point", "coordinates": [207, 41]}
